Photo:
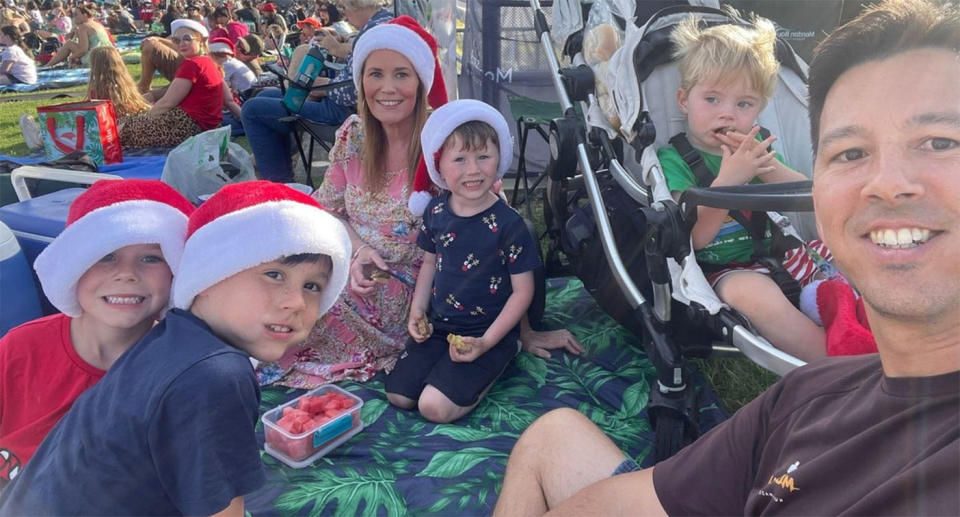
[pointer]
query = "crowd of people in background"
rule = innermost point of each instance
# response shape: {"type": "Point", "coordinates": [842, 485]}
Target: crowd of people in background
{"type": "Point", "coordinates": [232, 40]}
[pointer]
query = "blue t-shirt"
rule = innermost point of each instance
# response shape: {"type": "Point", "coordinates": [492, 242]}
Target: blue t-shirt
{"type": "Point", "coordinates": [475, 257]}
{"type": "Point", "coordinates": [168, 430]}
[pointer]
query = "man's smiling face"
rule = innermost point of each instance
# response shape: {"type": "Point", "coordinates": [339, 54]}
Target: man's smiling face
{"type": "Point", "coordinates": [887, 182]}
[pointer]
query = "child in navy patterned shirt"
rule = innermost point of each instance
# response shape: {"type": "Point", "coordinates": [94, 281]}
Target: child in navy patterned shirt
{"type": "Point", "coordinates": [476, 281]}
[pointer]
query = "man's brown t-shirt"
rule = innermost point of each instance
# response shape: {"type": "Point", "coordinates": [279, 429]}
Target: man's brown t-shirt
{"type": "Point", "coordinates": [831, 438]}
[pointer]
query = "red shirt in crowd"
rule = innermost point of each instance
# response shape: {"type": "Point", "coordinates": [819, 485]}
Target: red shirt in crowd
{"type": "Point", "coordinates": [232, 31]}
{"type": "Point", "coordinates": [204, 103]}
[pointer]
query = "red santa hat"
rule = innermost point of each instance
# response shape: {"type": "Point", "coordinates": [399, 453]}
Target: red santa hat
{"type": "Point", "coordinates": [222, 45]}
{"type": "Point", "coordinates": [281, 222]}
{"type": "Point", "coordinates": [109, 215]}
{"type": "Point", "coordinates": [405, 36]}
{"type": "Point", "coordinates": [449, 117]}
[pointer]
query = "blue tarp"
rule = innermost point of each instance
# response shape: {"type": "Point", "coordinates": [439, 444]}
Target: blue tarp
{"type": "Point", "coordinates": [143, 167]}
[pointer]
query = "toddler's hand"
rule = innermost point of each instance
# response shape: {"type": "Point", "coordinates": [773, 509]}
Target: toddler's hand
{"type": "Point", "coordinates": [419, 326]}
{"type": "Point", "coordinates": [745, 158]}
{"type": "Point", "coordinates": [465, 349]}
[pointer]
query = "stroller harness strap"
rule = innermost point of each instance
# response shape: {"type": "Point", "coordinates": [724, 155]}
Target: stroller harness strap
{"type": "Point", "coordinates": [756, 223]}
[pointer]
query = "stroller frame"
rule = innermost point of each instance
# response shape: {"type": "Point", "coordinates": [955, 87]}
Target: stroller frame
{"type": "Point", "coordinates": [664, 230]}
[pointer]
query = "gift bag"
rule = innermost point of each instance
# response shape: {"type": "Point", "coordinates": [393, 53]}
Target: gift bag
{"type": "Point", "coordinates": [89, 126]}
{"type": "Point", "coordinates": [203, 163]}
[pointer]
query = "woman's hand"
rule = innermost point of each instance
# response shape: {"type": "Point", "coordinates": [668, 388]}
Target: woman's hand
{"type": "Point", "coordinates": [365, 255]}
{"type": "Point", "coordinates": [540, 343]}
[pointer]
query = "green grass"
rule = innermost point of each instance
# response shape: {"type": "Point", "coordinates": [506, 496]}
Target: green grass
{"type": "Point", "coordinates": [11, 140]}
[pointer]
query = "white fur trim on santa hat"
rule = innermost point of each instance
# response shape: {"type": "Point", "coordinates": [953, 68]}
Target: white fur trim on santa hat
{"type": "Point", "coordinates": [219, 46]}
{"type": "Point", "coordinates": [388, 36]}
{"type": "Point", "coordinates": [190, 24]}
{"type": "Point", "coordinates": [103, 231]}
{"type": "Point", "coordinates": [448, 117]}
{"type": "Point", "coordinates": [222, 247]}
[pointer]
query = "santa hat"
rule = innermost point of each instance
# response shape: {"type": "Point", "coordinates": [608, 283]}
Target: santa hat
{"type": "Point", "coordinates": [444, 120]}
{"type": "Point", "coordinates": [109, 215]}
{"type": "Point", "coordinates": [405, 36]}
{"type": "Point", "coordinates": [189, 24]}
{"type": "Point", "coordinates": [268, 7]}
{"type": "Point", "coordinates": [222, 45]}
{"type": "Point", "coordinates": [283, 222]}
{"type": "Point", "coordinates": [836, 306]}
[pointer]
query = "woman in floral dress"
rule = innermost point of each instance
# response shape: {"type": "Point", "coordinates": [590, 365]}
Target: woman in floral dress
{"type": "Point", "coordinates": [367, 185]}
{"type": "Point", "coordinates": [372, 166]}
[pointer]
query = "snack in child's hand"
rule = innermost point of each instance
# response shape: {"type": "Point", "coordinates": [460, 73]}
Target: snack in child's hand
{"type": "Point", "coordinates": [423, 328]}
{"type": "Point", "coordinates": [457, 342]}
{"type": "Point", "coordinates": [380, 276]}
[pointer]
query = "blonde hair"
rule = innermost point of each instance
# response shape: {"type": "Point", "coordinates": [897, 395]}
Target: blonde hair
{"type": "Point", "coordinates": [109, 79]}
{"type": "Point", "coordinates": [372, 158]}
{"type": "Point", "coordinates": [717, 52]}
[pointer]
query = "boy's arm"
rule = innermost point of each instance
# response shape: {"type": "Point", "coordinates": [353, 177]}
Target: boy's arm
{"type": "Point", "coordinates": [517, 304]}
{"type": "Point", "coordinates": [234, 509]}
{"type": "Point", "coordinates": [421, 297]}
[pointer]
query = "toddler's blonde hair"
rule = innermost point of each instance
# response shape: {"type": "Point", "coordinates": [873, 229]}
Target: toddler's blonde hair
{"type": "Point", "coordinates": [718, 52]}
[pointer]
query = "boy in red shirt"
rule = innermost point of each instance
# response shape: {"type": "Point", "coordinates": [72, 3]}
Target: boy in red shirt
{"type": "Point", "coordinates": [109, 273]}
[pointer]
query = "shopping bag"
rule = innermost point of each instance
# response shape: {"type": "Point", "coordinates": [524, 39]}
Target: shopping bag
{"type": "Point", "coordinates": [203, 163]}
{"type": "Point", "coordinates": [89, 126]}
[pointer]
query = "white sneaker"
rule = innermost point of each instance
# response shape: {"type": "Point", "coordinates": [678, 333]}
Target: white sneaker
{"type": "Point", "coordinates": [31, 131]}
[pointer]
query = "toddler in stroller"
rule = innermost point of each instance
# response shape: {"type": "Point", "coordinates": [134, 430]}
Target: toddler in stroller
{"type": "Point", "coordinates": [727, 74]}
{"type": "Point", "coordinates": [629, 238]}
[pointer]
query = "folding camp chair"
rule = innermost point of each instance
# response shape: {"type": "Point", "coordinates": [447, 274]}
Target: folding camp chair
{"type": "Point", "coordinates": [322, 134]}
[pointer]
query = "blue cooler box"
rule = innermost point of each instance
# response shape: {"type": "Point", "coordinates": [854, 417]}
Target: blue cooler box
{"type": "Point", "coordinates": [19, 296]}
{"type": "Point", "coordinates": [37, 221]}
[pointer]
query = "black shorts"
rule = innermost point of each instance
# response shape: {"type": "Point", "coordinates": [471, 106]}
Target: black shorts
{"type": "Point", "coordinates": [429, 363]}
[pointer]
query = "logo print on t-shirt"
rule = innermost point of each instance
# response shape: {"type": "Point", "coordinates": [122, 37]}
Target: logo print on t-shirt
{"type": "Point", "coordinates": [491, 222]}
{"type": "Point", "coordinates": [780, 486]}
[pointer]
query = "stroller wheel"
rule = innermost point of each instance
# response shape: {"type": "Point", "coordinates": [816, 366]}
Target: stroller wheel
{"type": "Point", "coordinates": [671, 435]}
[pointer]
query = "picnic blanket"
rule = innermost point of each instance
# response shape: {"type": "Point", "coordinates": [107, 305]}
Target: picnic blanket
{"type": "Point", "coordinates": [129, 41]}
{"type": "Point", "coordinates": [53, 78]}
{"type": "Point", "coordinates": [401, 464]}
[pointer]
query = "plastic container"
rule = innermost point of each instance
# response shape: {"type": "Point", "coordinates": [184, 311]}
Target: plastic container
{"type": "Point", "coordinates": [302, 449]}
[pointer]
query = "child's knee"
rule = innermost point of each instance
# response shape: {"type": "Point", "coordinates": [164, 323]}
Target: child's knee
{"type": "Point", "coordinates": [400, 401]}
{"type": "Point", "coordinates": [436, 407]}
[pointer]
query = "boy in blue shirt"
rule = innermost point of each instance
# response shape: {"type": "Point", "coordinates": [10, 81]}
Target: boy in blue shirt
{"type": "Point", "coordinates": [477, 272]}
{"type": "Point", "coordinates": [170, 428]}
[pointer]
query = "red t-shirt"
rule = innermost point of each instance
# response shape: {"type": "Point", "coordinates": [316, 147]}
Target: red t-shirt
{"type": "Point", "coordinates": [232, 31]}
{"type": "Point", "coordinates": [204, 103]}
{"type": "Point", "coordinates": [41, 375]}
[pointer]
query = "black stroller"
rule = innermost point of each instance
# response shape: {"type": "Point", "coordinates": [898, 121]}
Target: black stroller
{"type": "Point", "coordinates": [610, 214]}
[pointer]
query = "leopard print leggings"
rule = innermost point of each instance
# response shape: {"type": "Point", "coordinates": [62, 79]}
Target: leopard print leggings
{"type": "Point", "coordinates": [164, 130]}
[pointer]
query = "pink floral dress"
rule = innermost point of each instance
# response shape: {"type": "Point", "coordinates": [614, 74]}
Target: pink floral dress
{"type": "Point", "coordinates": [359, 336]}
